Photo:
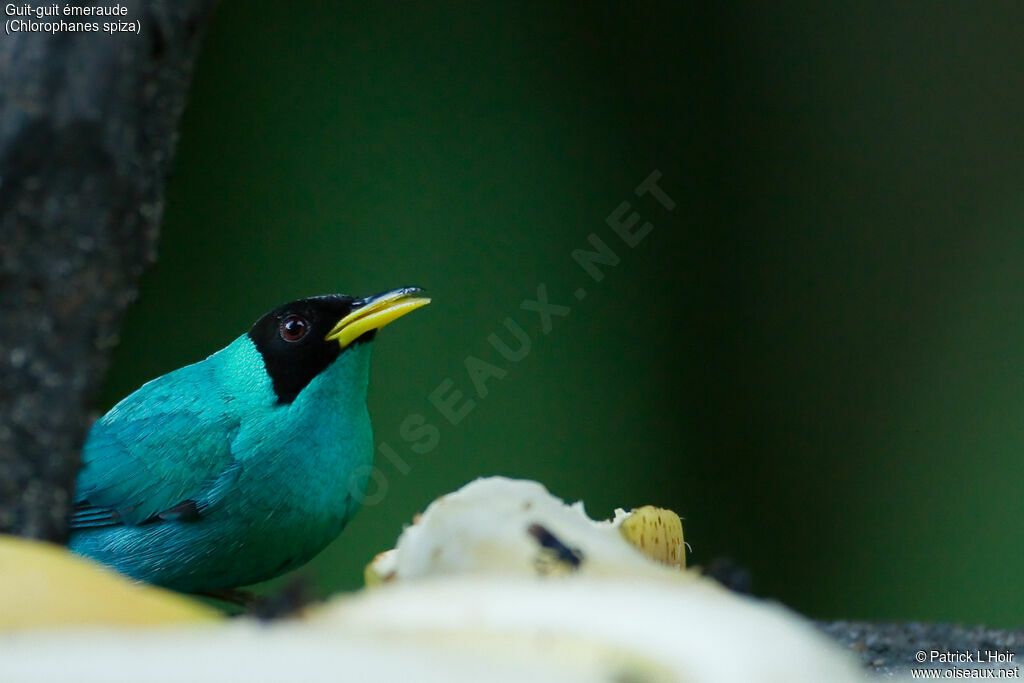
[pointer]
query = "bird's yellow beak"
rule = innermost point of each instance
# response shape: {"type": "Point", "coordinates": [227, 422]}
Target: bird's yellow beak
{"type": "Point", "coordinates": [376, 312]}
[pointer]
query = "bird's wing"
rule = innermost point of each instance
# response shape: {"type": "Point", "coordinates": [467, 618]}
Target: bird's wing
{"type": "Point", "coordinates": [163, 452]}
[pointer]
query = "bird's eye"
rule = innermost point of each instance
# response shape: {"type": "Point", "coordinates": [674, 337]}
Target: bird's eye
{"type": "Point", "coordinates": [294, 328]}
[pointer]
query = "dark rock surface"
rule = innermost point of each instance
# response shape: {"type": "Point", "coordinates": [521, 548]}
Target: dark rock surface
{"type": "Point", "coordinates": [87, 131]}
{"type": "Point", "coordinates": [892, 649]}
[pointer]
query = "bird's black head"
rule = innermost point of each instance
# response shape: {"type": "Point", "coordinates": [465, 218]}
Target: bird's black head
{"type": "Point", "coordinates": [293, 341]}
{"type": "Point", "coordinates": [301, 339]}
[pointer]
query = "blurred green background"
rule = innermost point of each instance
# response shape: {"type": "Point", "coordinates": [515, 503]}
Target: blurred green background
{"type": "Point", "coordinates": [817, 358]}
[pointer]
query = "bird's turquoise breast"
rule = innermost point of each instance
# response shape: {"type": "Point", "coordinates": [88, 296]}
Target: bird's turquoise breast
{"type": "Point", "coordinates": [304, 465]}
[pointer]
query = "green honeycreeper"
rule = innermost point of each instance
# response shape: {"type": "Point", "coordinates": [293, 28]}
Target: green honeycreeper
{"type": "Point", "coordinates": [242, 466]}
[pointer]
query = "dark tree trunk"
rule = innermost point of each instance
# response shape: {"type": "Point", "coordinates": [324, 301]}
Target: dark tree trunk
{"type": "Point", "coordinates": [87, 132]}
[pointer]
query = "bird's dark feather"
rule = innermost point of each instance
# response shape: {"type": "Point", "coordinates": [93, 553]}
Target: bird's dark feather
{"type": "Point", "coordinates": [89, 517]}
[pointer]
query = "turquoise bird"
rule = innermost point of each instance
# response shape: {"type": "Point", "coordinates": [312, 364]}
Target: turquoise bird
{"type": "Point", "coordinates": [242, 466]}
